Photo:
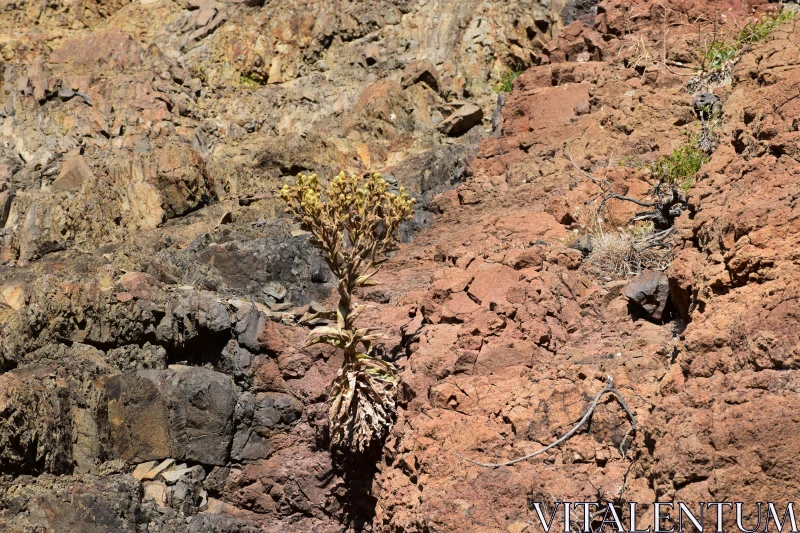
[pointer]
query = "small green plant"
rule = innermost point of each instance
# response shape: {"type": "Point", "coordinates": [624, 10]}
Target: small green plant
{"type": "Point", "coordinates": [718, 53]}
{"type": "Point", "coordinates": [249, 82]}
{"type": "Point", "coordinates": [506, 83]}
{"type": "Point", "coordinates": [354, 223]}
{"type": "Point", "coordinates": [199, 72]}
{"type": "Point", "coordinates": [756, 31]}
{"type": "Point", "coordinates": [680, 167]}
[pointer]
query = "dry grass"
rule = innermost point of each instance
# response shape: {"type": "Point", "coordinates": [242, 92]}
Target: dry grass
{"type": "Point", "coordinates": [626, 253]}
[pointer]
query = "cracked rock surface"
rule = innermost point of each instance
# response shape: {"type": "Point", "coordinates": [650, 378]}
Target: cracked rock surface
{"type": "Point", "coordinates": [155, 298]}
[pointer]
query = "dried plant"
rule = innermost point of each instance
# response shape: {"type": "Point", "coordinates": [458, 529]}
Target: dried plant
{"type": "Point", "coordinates": [627, 253]}
{"type": "Point", "coordinates": [647, 243]}
{"type": "Point", "coordinates": [354, 224]}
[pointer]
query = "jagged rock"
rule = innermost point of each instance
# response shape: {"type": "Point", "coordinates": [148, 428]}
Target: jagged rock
{"type": "Point", "coordinates": [98, 507]}
{"type": "Point", "coordinates": [422, 71]}
{"type": "Point", "coordinates": [35, 433]}
{"type": "Point", "coordinates": [583, 10]}
{"type": "Point", "coordinates": [649, 292]}
{"type": "Point", "coordinates": [181, 412]}
{"type": "Point", "coordinates": [462, 120]}
{"type": "Point", "coordinates": [155, 491]}
{"type": "Point", "coordinates": [74, 171]}
{"type": "Point", "coordinates": [132, 269]}
{"type": "Point", "coordinates": [142, 469]}
{"type": "Point", "coordinates": [706, 106]}
{"type": "Point", "coordinates": [157, 469]}
{"type": "Point", "coordinates": [259, 416]}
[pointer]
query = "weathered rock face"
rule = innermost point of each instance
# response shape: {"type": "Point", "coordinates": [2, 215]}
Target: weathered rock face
{"type": "Point", "coordinates": [183, 412]}
{"type": "Point", "coordinates": [154, 298]}
{"type": "Point", "coordinates": [153, 292]}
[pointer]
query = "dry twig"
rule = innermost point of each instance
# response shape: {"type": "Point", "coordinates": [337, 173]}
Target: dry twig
{"type": "Point", "coordinates": [608, 389]}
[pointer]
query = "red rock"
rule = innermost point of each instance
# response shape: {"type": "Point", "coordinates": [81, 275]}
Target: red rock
{"type": "Point", "coordinates": [559, 208]}
{"type": "Point", "coordinates": [270, 338]}
{"type": "Point", "coordinates": [548, 107]}
{"type": "Point", "coordinates": [491, 284]}
{"type": "Point", "coordinates": [460, 304]}
{"type": "Point", "coordinates": [449, 281]}
{"type": "Point", "coordinates": [532, 227]}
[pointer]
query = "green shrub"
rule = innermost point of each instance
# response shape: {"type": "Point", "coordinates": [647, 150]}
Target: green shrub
{"type": "Point", "coordinates": [249, 82]}
{"type": "Point", "coordinates": [506, 83]}
{"type": "Point", "coordinates": [680, 167]}
{"type": "Point", "coordinates": [717, 53]}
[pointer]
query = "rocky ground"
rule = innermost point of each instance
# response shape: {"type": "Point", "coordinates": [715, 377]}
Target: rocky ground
{"type": "Point", "coordinates": [155, 294]}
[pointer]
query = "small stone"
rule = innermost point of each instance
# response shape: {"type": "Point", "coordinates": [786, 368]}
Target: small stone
{"type": "Point", "coordinates": [124, 297]}
{"type": "Point", "coordinates": [154, 472]}
{"type": "Point", "coordinates": [66, 94]}
{"type": "Point", "coordinates": [420, 72]}
{"type": "Point", "coordinates": [172, 476]}
{"type": "Point", "coordinates": [583, 244]}
{"type": "Point", "coordinates": [215, 506]}
{"type": "Point", "coordinates": [14, 295]}
{"type": "Point", "coordinates": [156, 491]}
{"type": "Point", "coordinates": [649, 291]}
{"type": "Point", "coordinates": [74, 171]}
{"type": "Point", "coordinates": [274, 290]}
{"type": "Point", "coordinates": [141, 470]}
{"type": "Point", "coordinates": [517, 527]}
{"type": "Point", "coordinates": [582, 108]}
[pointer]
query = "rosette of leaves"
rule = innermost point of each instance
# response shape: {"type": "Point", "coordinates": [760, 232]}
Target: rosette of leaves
{"type": "Point", "coordinates": [354, 222]}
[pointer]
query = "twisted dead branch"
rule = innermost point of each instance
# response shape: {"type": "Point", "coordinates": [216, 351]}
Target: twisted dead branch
{"type": "Point", "coordinates": [668, 205]}
{"type": "Point", "coordinates": [610, 388]}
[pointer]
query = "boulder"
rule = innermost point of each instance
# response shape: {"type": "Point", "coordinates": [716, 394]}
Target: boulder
{"type": "Point", "coordinates": [649, 292]}
{"type": "Point", "coordinates": [181, 412]}
{"type": "Point", "coordinates": [74, 171]}
{"type": "Point", "coordinates": [462, 120]}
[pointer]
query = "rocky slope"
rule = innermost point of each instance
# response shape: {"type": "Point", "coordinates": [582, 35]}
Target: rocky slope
{"type": "Point", "coordinates": [152, 375]}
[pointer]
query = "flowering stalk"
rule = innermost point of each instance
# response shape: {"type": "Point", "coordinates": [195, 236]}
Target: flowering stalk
{"type": "Point", "coordinates": [354, 226]}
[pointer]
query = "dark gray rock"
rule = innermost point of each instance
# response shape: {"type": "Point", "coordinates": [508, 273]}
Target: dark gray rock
{"type": "Point", "coordinates": [649, 293]}
{"type": "Point", "coordinates": [258, 416]}
{"type": "Point", "coordinates": [706, 106]}
{"type": "Point", "coordinates": [497, 116]}
{"type": "Point", "coordinates": [249, 323]}
{"type": "Point", "coordinates": [182, 412]}
{"type": "Point", "coordinates": [584, 10]}
{"type": "Point", "coordinates": [35, 433]}
{"type": "Point", "coordinates": [583, 244]}
{"type": "Point", "coordinates": [65, 94]}
{"type": "Point", "coordinates": [203, 403]}
{"type": "Point", "coordinates": [107, 505]}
